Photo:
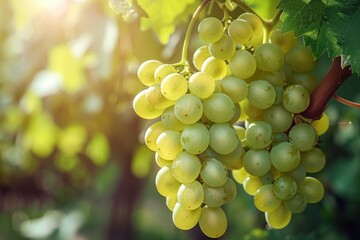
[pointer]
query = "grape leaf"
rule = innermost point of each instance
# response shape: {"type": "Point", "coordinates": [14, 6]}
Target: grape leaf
{"type": "Point", "coordinates": [328, 26]}
{"type": "Point", "coordinates": [164, 15]}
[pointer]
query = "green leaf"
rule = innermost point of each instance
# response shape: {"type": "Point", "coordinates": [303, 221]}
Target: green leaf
{"type": "Point", "coordinates": [164, 15]}
{"type": "Point", "coordinates": [330, 26]}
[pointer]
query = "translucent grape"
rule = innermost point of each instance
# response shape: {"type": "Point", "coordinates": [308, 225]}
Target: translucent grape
{"type": "Point", "coordinates": [265, 200]}
{"type": "Point", "coordinates": [241, 31]}
{"type": "Point", "coordinates": [224, 48]}
{"type": "Point", "coordinates": [307, 80]}
{"type": "Point", "coordinates": [185, 219]}
{"type": "Point", "coordinates": [257, 162]}
{"type": "Point", "coordinates": [195, 138]}
{"type": "Point", "coordinates": [297, 203]}
{"type": "Point", "coordinates": [276, 78]}
{"type": "Point", "coordinates": [251, 184]}
{"type": "Point", "coordinates": [146, 72]}
{"type": "Point", "coordinates": [210, 29]}
{"type": "Point", "coordinates": [230, 190]}
{"type": "Point", "coordinates": [303, 136]}
{"type": "Point", "coordinates": [259, 135]}
{"type": "Point", "coordinates": [285, 187]}
{"type": "Point", "coordinates": [242, 64]}
{"type": "Point", "coordinates": [285, 157]}
{"type": "Point", "coordinates": [269, 57]}
{"type": "Point", "coordinates": [170, 121]}
{"type": "Point", "coordinates": [213, 172]}
{"type": "Point", "coordinates": [213, 222]}
{"type": "Point", "coordinates": [235, 88]}
{"type": "Point", "coordinates": [312, 189]}
{"type": "Point", "coordinates": [261, 94]}
{"type": "Point", "coordinates": [256, 25]}
{"type": "Point", "coordinates": [214, 196]}
{"type": "Point", "coordinates": [185, 167]}
{"type": "Point", "coordinates": [200, 55]}
{"type": "Point", "coordinates": [279, 118]}
{"type": "Point", "coordinates": [174, 86]}
{"type": "Point", "coordinates": [162, 162]}
{"type": "Point", "coordinates": [295, 98]}
{"type": "Point", "coordinates": [240, 175]}
{"type": "Point", "coordinates": [313, 160]}
{"type": "Point", "coordinates": [298, 174]}
{"type": "Point", "coordinates": [202, 85]}
{"type": "Point", "coordinates": [219, 108]}
{"type": "Point", "coordinates": [142, 107]}
{"type": "Point", "coordinates": [250, 110]}
{"type": "Point", "coordinates": [165, 183]}
{"type": "Point", "coordinates": [188, 109]}
{"type": "Point", "coordinates": [279, 218]}
{"type": "Point", "coordinates": [190, 195]}
{"type": "Point", "coordinates": [217, 68]}
{"type": "Point", "coordinates": [152, 133]}
{"type": "Point", "coordinates": [156, 99]}
{"type": "Point", "coordinates": [162, 71]}
{"type": "Point", "coordinates": [322, 125]}
{"type": "Point", "coordinates": [234, 159]}
{"type": "Point", "coordinates": [300, 59]}
{"type": "Point", "coordinates": [171, 201]}
{"type": "Point", "coordinates": [285, 41]}
{"type": "Point", "coordinates": [168, 144]}
{"type": "Point", "coordinates": [223, 138]}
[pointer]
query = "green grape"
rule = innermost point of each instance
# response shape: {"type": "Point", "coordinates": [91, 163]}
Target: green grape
{"type": "Point", "coordinates": [259, 135]}
{"type": "Point", "coordinates": [279, 92]}
{"type": "Point", "coordinates": [307, 80]}
{"type": "Point", "coordinates": [279, 118]}
{"type": "Point", "coordinates": [190, 195]}
{"type": "Point", "coordinates": [142, 107]}
{"type": "Point", "coordinates": [170, 121]}
{"type": "Point", "coordinates": [162, 71]}
{"type": "Point", "coordinates": [223, 138]}
{"type": "Point", "coordinates": [236, 115]}
{"type": "Point", "coordinates": [251, 184]}
{"type": "Point", "coordinates": [298, 174]}
{"type": "Point", "coordinates": [303, 136]}
{"type": "Point", "coordinates": [234, 159]}
{"type": "Point", "coordinates": [261, 94]}
{"type": "Point", "coordinates": [268, 178]}
{"type": "Point", "coordinates": [295, 98]}
{"type": "Point", "coordinates": [257, 162]}
{"type": "Point", "coordinates": [224, 48]}
{"type": "Point", "coordinates": [297, 203]}
{"type": "Point", "coordinates": [174, 86]}
{"type": "Point", "coordinates": [240, 175]}
{"type": "Point", "coordinates": [165, 183]}
{"type": "Point", "coordinates": [162, 162]}
{"type": "Point", "coordinates": [230, 190]}
{"type": "Point", "coordinates": [269, 57]}
{"type": "Point", "coordinates": [185, 219]}
{"type": "Point", "coordinates": [312, 189]}
{"type": "Point", "coordinates": [152, 133]}
{"type": "Point", "coordinates": [219, 108]}
{"type": "Point", "coordinates": [242, 64]}
{"type": "Point", "coordinates": [209, 153]}
{"type": "Point", "coordinates": [279, 137]}
{"type": "Point", "coordinates": [240, 131]}
{"type": "Point", "coordinates": [168, 144]}
{"type": "Point", "coordinates": [195, 138]}
{"type": "Point", "coordinates": [200, 55]}
{"type": "Point", "coordinates": [188, 109]}
{"type": "Point", "coordinates": [171, 201]}
{"type": "Point", "coordinates": [214, 196]}
{"type": "Point", "coordinates": [285, 157]}
{"type": "Point", "coordinates": [241, 31]}
{"type": "Point", "coordinates": [300, 59]}
{"type": "Point", "coordinates": [210, 29]}
{"type": "Point", "coordinates": [313, 160]}
{"type": "Point", "coordinates": [202, 85]}
{"type": "Point", "coordinates": [146, 72]}
{"type": "Point", "coordinates": [234, 87]}
{"type": "Point", "coordinates": [185, 167]}
{"type": "Point", "coordinates": [279, 218]}
{"type": "Point", "coordinates": [285, 187]}
{"type": "Point", "coordinates": [213, 172]}
{"type": "Point", "coordinates": [256, 25]}
{"type": "Point", "coordinates": [213, 222]}
{"type": "Point", "coordinates": [321, 125]}
{"type": "Point", "coordinates": [156, 99]}
{"type": "Point", "coordinates": [217, 68]}
{"type": "Point", "coordinates": [250, 110]}
{"type": "Point", "coordinates": [285, 41]}
{"type": "Point", "coordinates": [276, 78]}
{"type": "Point", "coordinates": [265, 200]}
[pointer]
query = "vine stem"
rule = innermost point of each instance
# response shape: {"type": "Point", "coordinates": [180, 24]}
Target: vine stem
{"type": "Point", "coordinates": [346, 102]}
{"type": "Point", "coordinates": [326, 89]}
{"type": "Point", "coordinates": [188, 32]}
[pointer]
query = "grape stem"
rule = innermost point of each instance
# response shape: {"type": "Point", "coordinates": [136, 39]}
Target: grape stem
{"type": "Point", "coordinates": [347, 102]}
{"type": "Point", "coordinates": [326, 89]}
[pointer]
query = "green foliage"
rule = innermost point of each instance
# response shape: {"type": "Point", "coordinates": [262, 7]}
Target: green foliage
{"type": "Point", "coordinates": [327, 26]}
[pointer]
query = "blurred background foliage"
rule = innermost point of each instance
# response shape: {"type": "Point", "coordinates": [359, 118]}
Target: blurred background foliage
{"type": "Point", "coordinates": [72, 161]}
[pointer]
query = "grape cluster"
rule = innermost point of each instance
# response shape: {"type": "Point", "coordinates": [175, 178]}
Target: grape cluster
{"type": "Point", "coordinates": [238, 111]}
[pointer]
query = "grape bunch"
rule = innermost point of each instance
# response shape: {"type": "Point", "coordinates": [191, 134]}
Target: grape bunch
{"type": "Point", "coordinates": [237, 110]}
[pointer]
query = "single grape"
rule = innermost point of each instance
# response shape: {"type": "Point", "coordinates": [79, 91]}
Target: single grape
{"type": "Point", "coordinates": [241, 31]}
{"type": "Point", "coordinates": [200, 55]}
{"type": "Point", "coordinates": [170, 121]}
{"type": "Point", "coordinates": [152, 133]}
{"type": "Point", "coordinates": [174, 86]}
{"type": "Point", "coordinates": [306, 79]}
{"type": "Point", "coordinates": [303, 136]}
{"type": "Point", "coordinates": [240, 175]}
{"type": "Point", "coordinates": [142, 107]}
{"type": "Point", "coordinates": [279, 137]}
{"type": "Point", "coordinates": [265, 200]}
{"type": "Point", "coordinates": [285, 187]}
{"type": "Point", "coordinates": [242, 64]}
{"type": "Point", "coordinates": [251, 184]}
{"type": "Point", "coordinates": [279, 118]}
{"type": "Point", "coordinates": [185, 167]}
{"type": "Point", "coordinates": [185, 219]}
{"type": "Point", "coordinates": [230, 190]}
{"type": "Point", "coordinates": [171, 201]}
{"type": "Point", "coordinates": [146, 72]}
{"type": "Point", "coordinates": [224, 48]}
{"type": "Point", "coordinates": [168, 144]}
{"type": "Point", "coordinates": [162, 71]}
{"type": "Point", "coordinates": [223, 138]}
{"type": "Point", "coordinates": [298, 174]}
{"type": "Point", "coordinates": [233, 160]}
{"type": "Point", "coordinates": [285, 157]}
{"type": "Point", "coordinates": [162, 162]}
{"type": "Point", "coordinates": [300, 59]}
{"type": "Point", "coordinates": [165, 183]}
{"type": "Point", "coordinates": [285, 41]}
{"type": "Point", "coordinates": [268, 178]}
{"type": "Point", "coordinates": [234, 87]}
{"type": "Point", "coordinates": [279, 218]}
{"type": "Point", "coordinates": [257, 162]}
{"type": "Point", "coordinates": [188, 109]}
{"type": "Point", "coordinates": [217, 68]}
{"type": "Point", "coordinates": [295, 98]}
{"type": "Point", "coordinates": [259, 135]}
{"type": "Point", "coordinates": [261, 94]}
{"type": "Point", "coordinates": [297, 203]}
{"type": "Point", "coordinates": [190, 195]}
{"type": "Point", "coordinates": [214, 196]}
{"type": "Point", "coordinates": [213, 222]}
{"type": "Point", "coordinates": [251, 111]}
{"type": "Point", "coordinates": [322, 125]}
{"type": "Point", "coordinates": [155, 98]}
{"type": "Point", "coordinates": [213, 172]}
{"type": "Point", "coordinates": [195, 138]}
{"type": "Point", "coordinates": [210, 29]}
{"type": "Point", "coordinates": [202, 85]}
{"type": "Point", "coordinates": [276, 78]}
{"type": "Point", "coordinates": [312, 189]}
{"type": "Point", "coordinates": [269, 57]}
{"type": "Point", "coordinates": [256, 25]}
{"type": "Point", "coordinates": [219, 108]}
{"type": "Point", "coordinates": [313, 160]}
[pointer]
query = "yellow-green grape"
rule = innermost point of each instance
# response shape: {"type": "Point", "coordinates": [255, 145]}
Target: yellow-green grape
{"type": "Point", "coordinates": [190, 195]}
{"type": "Point", "coordinates": [233, 160]}
{"type": "Point", "coordinates": [265, 200]}
{"type": "Point", "coordinates": [230, 190]}
{"type": "Point", "coordinates": [170, 121]}
{"type": "Point", "coordinates": [279, 137]}
{"type": "Point", "coordinates": [298, 174]}
{"type": "Point", "coordinates": [297, 203]}
{"type": "Point", "coordinates": [313, 160]}
{"type": "Point", "coordinates": [224, 48]}
{"type": "Point", "coordinates": [152, 133]}
{"type": "Point", "coordinates": [321, 125]}
{"type": "Point", "coordinates": [240, 175]}
{"type": "Point", "coordinates": [257, 162]}
{"type": "Point", "coordinates": [259, 135]}
{"type": "Point", "coordinates": [241, 31]}
{"type": "Point", "coordinates": [242, 64]}
{"type": "Point", "coordinates": [256, 25]}
{"type": "Point", "coordinates": [276, 78]}
{"type": "Point", "coordinates": [213, 222]}
{"type": "Point", "coordinates": [200, 55]}
{"type": "Point", "coordinates": [223, 138]}
{"type": "Point", "coordinates": [300, 59]}
{"type": "Point", "coordinates": [312, 189]}
{"type": "Point", "coordinates": [185, 219]}
{"type": "Point", "coordinates": [251, 184]}
{"type": "Point", "coordinates": [213, 172]}
{"type": "Point", "coordinates": [171, 201]}
{"type": "Point", "coordinates": [240, 131]}
{"type": "Point", "coordinates": [234, 87]}
{"type": "Point", "coordinates": [186, 167]}
{"type": "Point", "coordinates": [210, 29]}
{"type": "Point", "coordinates": [279, 218]}
{"type": "Point", "coordinates": [214, 196]}
{"type": "Point", "coordinates": [146, 72]}
{"type": "Point", "coordinates": [285, 157]}
{"type": "Point", "coordinates": [279, 118]}
{"type": "Point", "coordinates": [219, 108]}
{"type": "Point", "coordinates": [142, 107]}
{"type": "Point", "coordinates": [295, 98]}
{"type": "Point", "coordinates": [306, 79]}
{"type": "Point", "coordinates": [202, 85]}
{"type": "Point", "coordinates": [250, 110]}
{"type": "Point", "coordinates": [268, 178]}
{"type": "Point", "coordinates": [162, 71]}
{"type": "Point", "coordinates": [156, 99]}
{"type": "Point", "coordinates": [174, 86]}
{"type": "Point", "coordinates": [285, 41]}
{"type": "Point", "coordinates": [162, 162]}
{"type": "Point", "coordinates": [236, 115]}
{"type": "Point", "coordinates": [303, 136]}
{"type": "Point", "coordinates": [165, 183]}
{"type": "Point", "coordinates": [261, 94]}
{"type": "Point", "coordinates": [188, 109]}
{"type": "Point", "coordinates": [195, 138]}
{"type": "Point", "coordinates": [217, 68]}
{"type": "Point", "coordinates": [269, 57]}
{"type": "Point", "coordinates": [279, 92]}
{"type": "Point", "coordinates": [285, 187]}
{"type": "Point", "coordinates": [168, 144]}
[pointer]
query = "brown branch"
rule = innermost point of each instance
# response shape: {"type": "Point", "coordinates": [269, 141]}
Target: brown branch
{"type": "Point", "coordinates": [326, 89]}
